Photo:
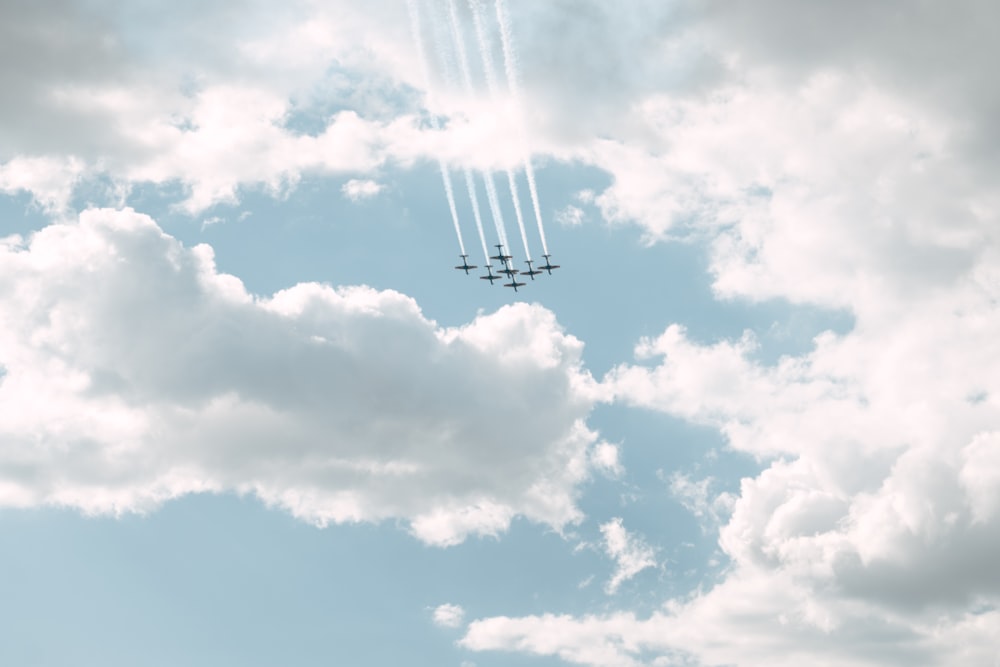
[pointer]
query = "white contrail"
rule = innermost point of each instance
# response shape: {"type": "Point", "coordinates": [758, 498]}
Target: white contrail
{"type": "Point", "coordinates": [467, 77]}
{"type": "Point", "coordinates": [510, 66]}
{"type": "Point", "coordinates": [447, 68]}
{"type": "Point", "coordinates": [445, 176]}
{"type": "Point", "coordinates": [491, 82]}
{"type": "Point", "coordinates": [491, 196]}
{"type": "Point", "coordinates": [471, 186]}
{"type": "Point", "coordinates": [512, 184]}
{"type": "Point", "coordinates": [450, 194]}
{"type": "Point", "coordinates": [487, 175]}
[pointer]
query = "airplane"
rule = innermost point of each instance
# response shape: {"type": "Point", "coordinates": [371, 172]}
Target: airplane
{"type": "Point", "coordinates": [548, 266]}
{"type": "Point", "coordinates": [531, 272]}
{"type": "Point", "coordinates": [509, 272]}
{"type": "Point", "coordinates": [500, 256]}
{"type": "Point", "coordinates": [513, 283]}
{"type": "Point", "coordinates": [465, 264]}
{"type": "Point", "coordinates": [489, 274]}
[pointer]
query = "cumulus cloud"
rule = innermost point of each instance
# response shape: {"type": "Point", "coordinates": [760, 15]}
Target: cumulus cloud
{"type": "Point", "coordinates": [49, 180]}
{"type": "Point", "coordinates": [759, 622]}
{"type": "Point", "coordinates": [798, 146]}
{"type": "Point", "coordinates": [358, 189]}
{"type": "Point", "coordinates": [697, 110]}
{"type": "Point", "coordinates": [136, 373]}
{"type": "Point", "coordinates": [606, 457]}
{"type": "Point", "coordinates": [838, 156]}
{"type": "Point", "coordinates": [146, 109]}
{"type": "Point", "coordinates": [571, 216]}
{"type": "Point", "coordinates": [221, 101]}
{"type": "Point", "coordinates": [630, 552]}
{"type": "Point", "coordinates": [449, 615]}
{"type": "Point", "coordinates": [870, 535]}
{"type": "Point", "coordinates": [824, 164]}
{"type": "Point", "coordinates": [697, 498]}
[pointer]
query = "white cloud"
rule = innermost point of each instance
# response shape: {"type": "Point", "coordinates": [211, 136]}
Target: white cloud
{"type": "Point", "coordinates": [356, 189]}
{"type": "Point", "coordinates": [870, 536]}
{"type": "Point", "coordinates": [831, 155]}
{"type": "Point", "coordinates": [214, 99]}
{"type": "Point", "coordinates": [630, 552]}
{"type": "Point", "coordinates": [703, 111]}
{"type": "Point", "coordinates": [607, 458]}
{"type": "Point", "coordinates": [588, 641]}
{"type": "Point", "coordinates": [449, 615]}
{"type": "Point", "coordinates": [571, 216]}
{"type": "Point", "coordinates": [823, 166]}
{"type": "Point", "coordinates": [697, 499]}
{"type": "Point", "coordinates": [136, 373]}
{"type": "Point", "coordinates": [757, 622]}
{"type": "Point", "coordinates": [49, 180]}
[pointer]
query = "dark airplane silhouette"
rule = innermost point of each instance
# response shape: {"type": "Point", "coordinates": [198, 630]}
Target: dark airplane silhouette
{"type": "Point", "coordinates": [489, 274]}
{"type": "Point", "coordinates": [465, 266]}
{"type": "Point", "coordinates": [548, 266]}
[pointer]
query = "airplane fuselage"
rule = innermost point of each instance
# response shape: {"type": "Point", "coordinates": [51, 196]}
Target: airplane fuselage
{"type": "Point", "coordinates": [548, 266]}
{"type": "Point", "coordinates": [465, 266]}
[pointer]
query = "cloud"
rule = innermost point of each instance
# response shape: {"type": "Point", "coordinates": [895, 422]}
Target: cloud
{"type": "Point", "coordinates": [845, 168]}
{"type": "Point", "coordinates": [704, 114]}
{"type": "Point", "coordinates": [754, 622]}
{"type": "Point", "coordinates": [571, 216]}
{"type": "Point", "coordinates": [828, 155]}
{"type": "Point", "coordinates": [607, 458]}
{"type": "Point", "coordinates": [221, 101]}
{"type": "Point", "coordinates": [869, 536]}
{"type": "Point", "coordinates": [696, 498]}
{"type": "Point", "coordinates": [630, 553]}
{"type": "Point", "coordinates": [50, 180]}
{"type": "Point", "coordinates": [449, 615]}
{"type": "Point", "coordinates": [356, 189]}
{"type": "Point", "coordinates": [136, 373]}
{"type": "Point", "coordinates": [117, 99]}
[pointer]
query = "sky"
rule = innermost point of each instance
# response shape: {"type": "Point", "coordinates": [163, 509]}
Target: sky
{"type": "Point", "coordinates": [250, 414]}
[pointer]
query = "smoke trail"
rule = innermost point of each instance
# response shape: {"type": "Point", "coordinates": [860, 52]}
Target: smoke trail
{"type": "Point", "coordinates": [491, 82]}
{"type": "Point", "coordinates": [512, 184]}
{"type": "Point", "coordinates": [487, 175]}
{"type": "Point", "coordinates": [510, 66]}
{"type": "Point", "coordinates": [471, 186]}
{"type": "Point", "coordinates": [484, 49]}
{"type": "Point", "coordinates": [445, 176]}
{"type": "Point", "coordinates": [464, 65]}
{"type": "Point", "coordinates": [450, 194]}
{"type": "Point", "coordinates": [491, 196]}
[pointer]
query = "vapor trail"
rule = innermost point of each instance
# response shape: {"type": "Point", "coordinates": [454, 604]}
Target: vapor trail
{"type": "Point", "coordinates": [510, 66]}
{"type": "Point", "coordinates": [491, 82]}
{"type": "Point", "coordinates": [467, 77]}
{"type": "Point", "coordinates": [512, 184]}
{"type": "Point", "coordinates": [491, 196]}
{"type": "Point", "coordinates": [445, 176]}
{"type": "Point", "coordinates": [471, 186]}
{"type": "Point", "coordinates": [487, 175]}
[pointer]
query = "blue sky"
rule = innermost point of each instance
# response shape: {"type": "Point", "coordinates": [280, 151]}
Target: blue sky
{"type": "Point", "coordinates": [250, 414]}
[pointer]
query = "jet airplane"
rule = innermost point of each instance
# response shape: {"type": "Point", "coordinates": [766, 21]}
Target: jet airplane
{"type": "Point", "coordinates": [465, 266]}
{"type": "Point", "coordinates": [508, 271]}
{"type": "Point", "coordinates": [531, 272]}
{"type": "Point", "coordinates": [513, 283]}
{"type": "Point", "coordinates": [489, 274]}
{"type": "Point", "coordinates": [502, 258]}
{"type": "Point", "coordinates": [548, 266]}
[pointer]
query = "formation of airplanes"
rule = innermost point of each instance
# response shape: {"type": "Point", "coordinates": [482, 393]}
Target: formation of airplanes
{"type": "Point", "coordinates": [506, 268]}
